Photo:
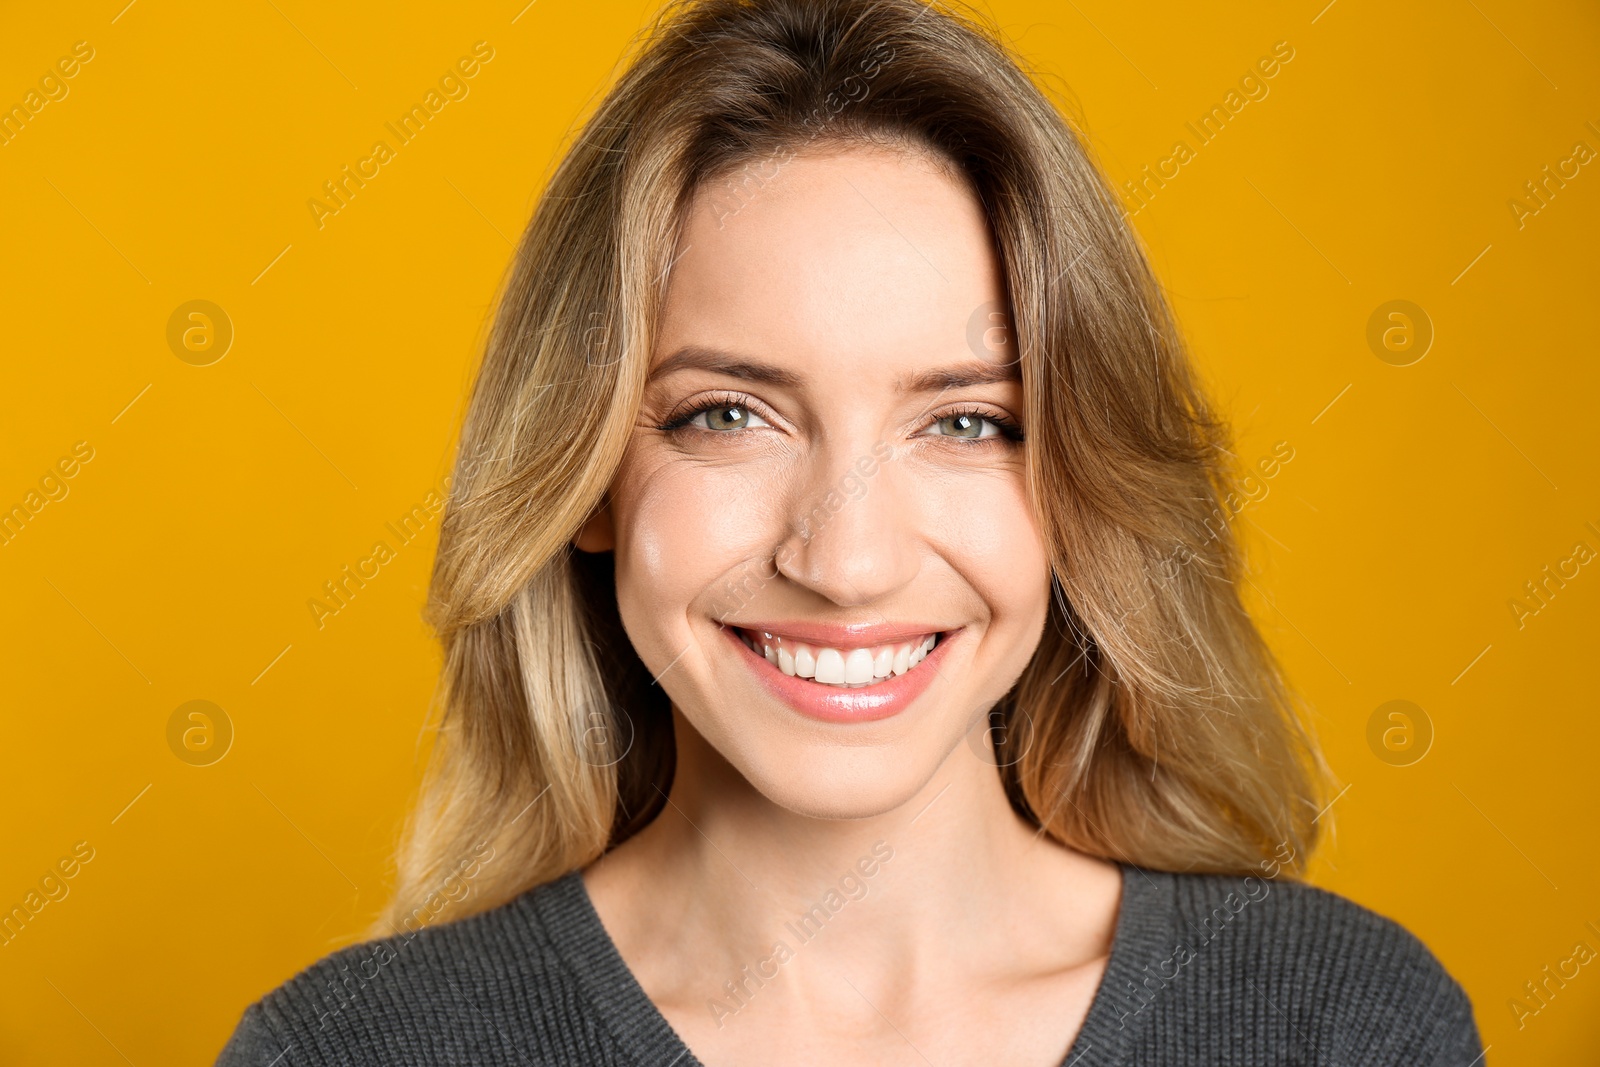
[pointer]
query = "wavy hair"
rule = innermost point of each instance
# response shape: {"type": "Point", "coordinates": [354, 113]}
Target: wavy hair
{"type": "Point", "coordinates": [1153, 725]}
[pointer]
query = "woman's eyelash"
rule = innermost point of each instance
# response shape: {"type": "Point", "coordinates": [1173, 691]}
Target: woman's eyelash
{"type": "Point", "coordinates": [1008, 427]}
{"type": "Point", "coordinates": [683, 416]}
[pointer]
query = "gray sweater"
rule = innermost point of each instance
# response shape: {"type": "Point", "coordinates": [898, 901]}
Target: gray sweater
{"type": "Point", "coordinates": [1204, 970]}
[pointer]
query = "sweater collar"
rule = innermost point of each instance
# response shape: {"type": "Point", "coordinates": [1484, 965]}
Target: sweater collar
{"type": "Point", "coordinates": [1146, 918]}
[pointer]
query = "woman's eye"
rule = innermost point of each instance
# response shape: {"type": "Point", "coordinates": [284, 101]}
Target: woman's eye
{"type": "Point", "coordinates": [727, 417]}
{"type": "Point", "coordinates": [964, 425]}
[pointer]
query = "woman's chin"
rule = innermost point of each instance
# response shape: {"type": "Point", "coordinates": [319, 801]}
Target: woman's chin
{"type": "Point", "coordinates": [844, 784]}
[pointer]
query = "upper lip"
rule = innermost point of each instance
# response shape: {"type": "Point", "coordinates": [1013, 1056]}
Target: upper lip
{"type": "Point", "coordinates": [841, 635]}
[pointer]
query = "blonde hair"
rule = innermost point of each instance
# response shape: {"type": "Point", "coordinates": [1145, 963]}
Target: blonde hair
{"type": "Point", "coordinates": [1152, 725]}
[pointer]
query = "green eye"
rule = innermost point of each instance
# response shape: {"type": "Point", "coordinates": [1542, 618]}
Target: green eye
{"type": "Point", "coordinates": [727, 417]}
{"type": "Point", "coordinates": [965, 425]}
{"type": "Point", "coordinates": [973, 425]}
{"type": "Point", "coordinates": [962, 425]}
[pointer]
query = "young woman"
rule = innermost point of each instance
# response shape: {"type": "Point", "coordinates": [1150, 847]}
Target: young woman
{"type": "Point", "coordinates": [844, 661]}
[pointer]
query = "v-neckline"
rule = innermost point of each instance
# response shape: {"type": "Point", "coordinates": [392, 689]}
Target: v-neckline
{"type": "Point", "coordinates": [1144, 932]}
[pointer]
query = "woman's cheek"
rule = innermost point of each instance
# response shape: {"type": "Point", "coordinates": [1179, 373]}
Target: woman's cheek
{"type": "Point", "coordinates": [989, 536]}
{"type": "Point", "coordinates": [687, 533]}
{"type": "Point", "coordinates": [985, 510]}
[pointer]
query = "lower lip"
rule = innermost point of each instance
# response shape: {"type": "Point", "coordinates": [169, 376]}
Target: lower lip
{"type": "Point", "coordinates": [828, 703]}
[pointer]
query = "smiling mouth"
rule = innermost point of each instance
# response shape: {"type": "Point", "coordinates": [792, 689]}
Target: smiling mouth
{"type": "Point", "coordinates": [841, 668]}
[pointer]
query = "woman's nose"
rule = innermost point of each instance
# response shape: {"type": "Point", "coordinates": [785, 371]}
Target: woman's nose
{"type": "Point", "coordinates": [849, 537]}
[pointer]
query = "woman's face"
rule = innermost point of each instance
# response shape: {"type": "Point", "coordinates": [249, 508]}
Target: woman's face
{"type": "Point", "coordinates": [827, 467]}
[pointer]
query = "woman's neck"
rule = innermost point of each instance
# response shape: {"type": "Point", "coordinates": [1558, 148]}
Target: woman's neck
{"type": "Point", "coordinates": [724, 883]}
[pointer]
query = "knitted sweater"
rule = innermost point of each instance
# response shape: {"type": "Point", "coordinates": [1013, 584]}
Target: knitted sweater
{"type": "Point", "coordinates": [1204, 970]}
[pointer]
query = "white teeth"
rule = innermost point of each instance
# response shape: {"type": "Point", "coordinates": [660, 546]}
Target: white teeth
{"type": "Point", "coordinates": [832, 666]}
{"type": "Point", "coordinates": [884, 663]}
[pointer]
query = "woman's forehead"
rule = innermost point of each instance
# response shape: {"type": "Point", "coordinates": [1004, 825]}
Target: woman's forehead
{"type": "Point", "coordinates": [863, 252]}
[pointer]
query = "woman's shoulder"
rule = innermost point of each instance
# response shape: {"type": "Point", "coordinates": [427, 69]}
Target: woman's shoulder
{"type": "Point", "coordinates": [1296, 914]}
{"type": "Point", "coordinates": [442, 992]}
{"type": "Point", "coordinates": [1313, 968]}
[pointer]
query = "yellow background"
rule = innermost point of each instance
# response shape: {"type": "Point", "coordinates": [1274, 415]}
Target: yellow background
{"type": "Point", "coordinates": [179, 566]}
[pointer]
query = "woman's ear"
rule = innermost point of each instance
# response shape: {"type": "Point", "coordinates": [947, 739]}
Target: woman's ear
{"type": "Point", "coordinates": [597, 533]}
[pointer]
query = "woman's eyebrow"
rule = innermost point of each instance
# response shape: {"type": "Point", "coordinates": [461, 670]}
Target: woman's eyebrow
{"type": "Point", "coordinates": [960, 376]}
{"type": "Point", "coordinates": [712, 359]}
{"type": "Point", "coordinates": [935, 380]}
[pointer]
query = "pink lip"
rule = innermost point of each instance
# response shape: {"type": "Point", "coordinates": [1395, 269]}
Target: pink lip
{"type": "Point", "coordinates": [842, 636]}
{"type": "Point", "coordinates": [829, 704]}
